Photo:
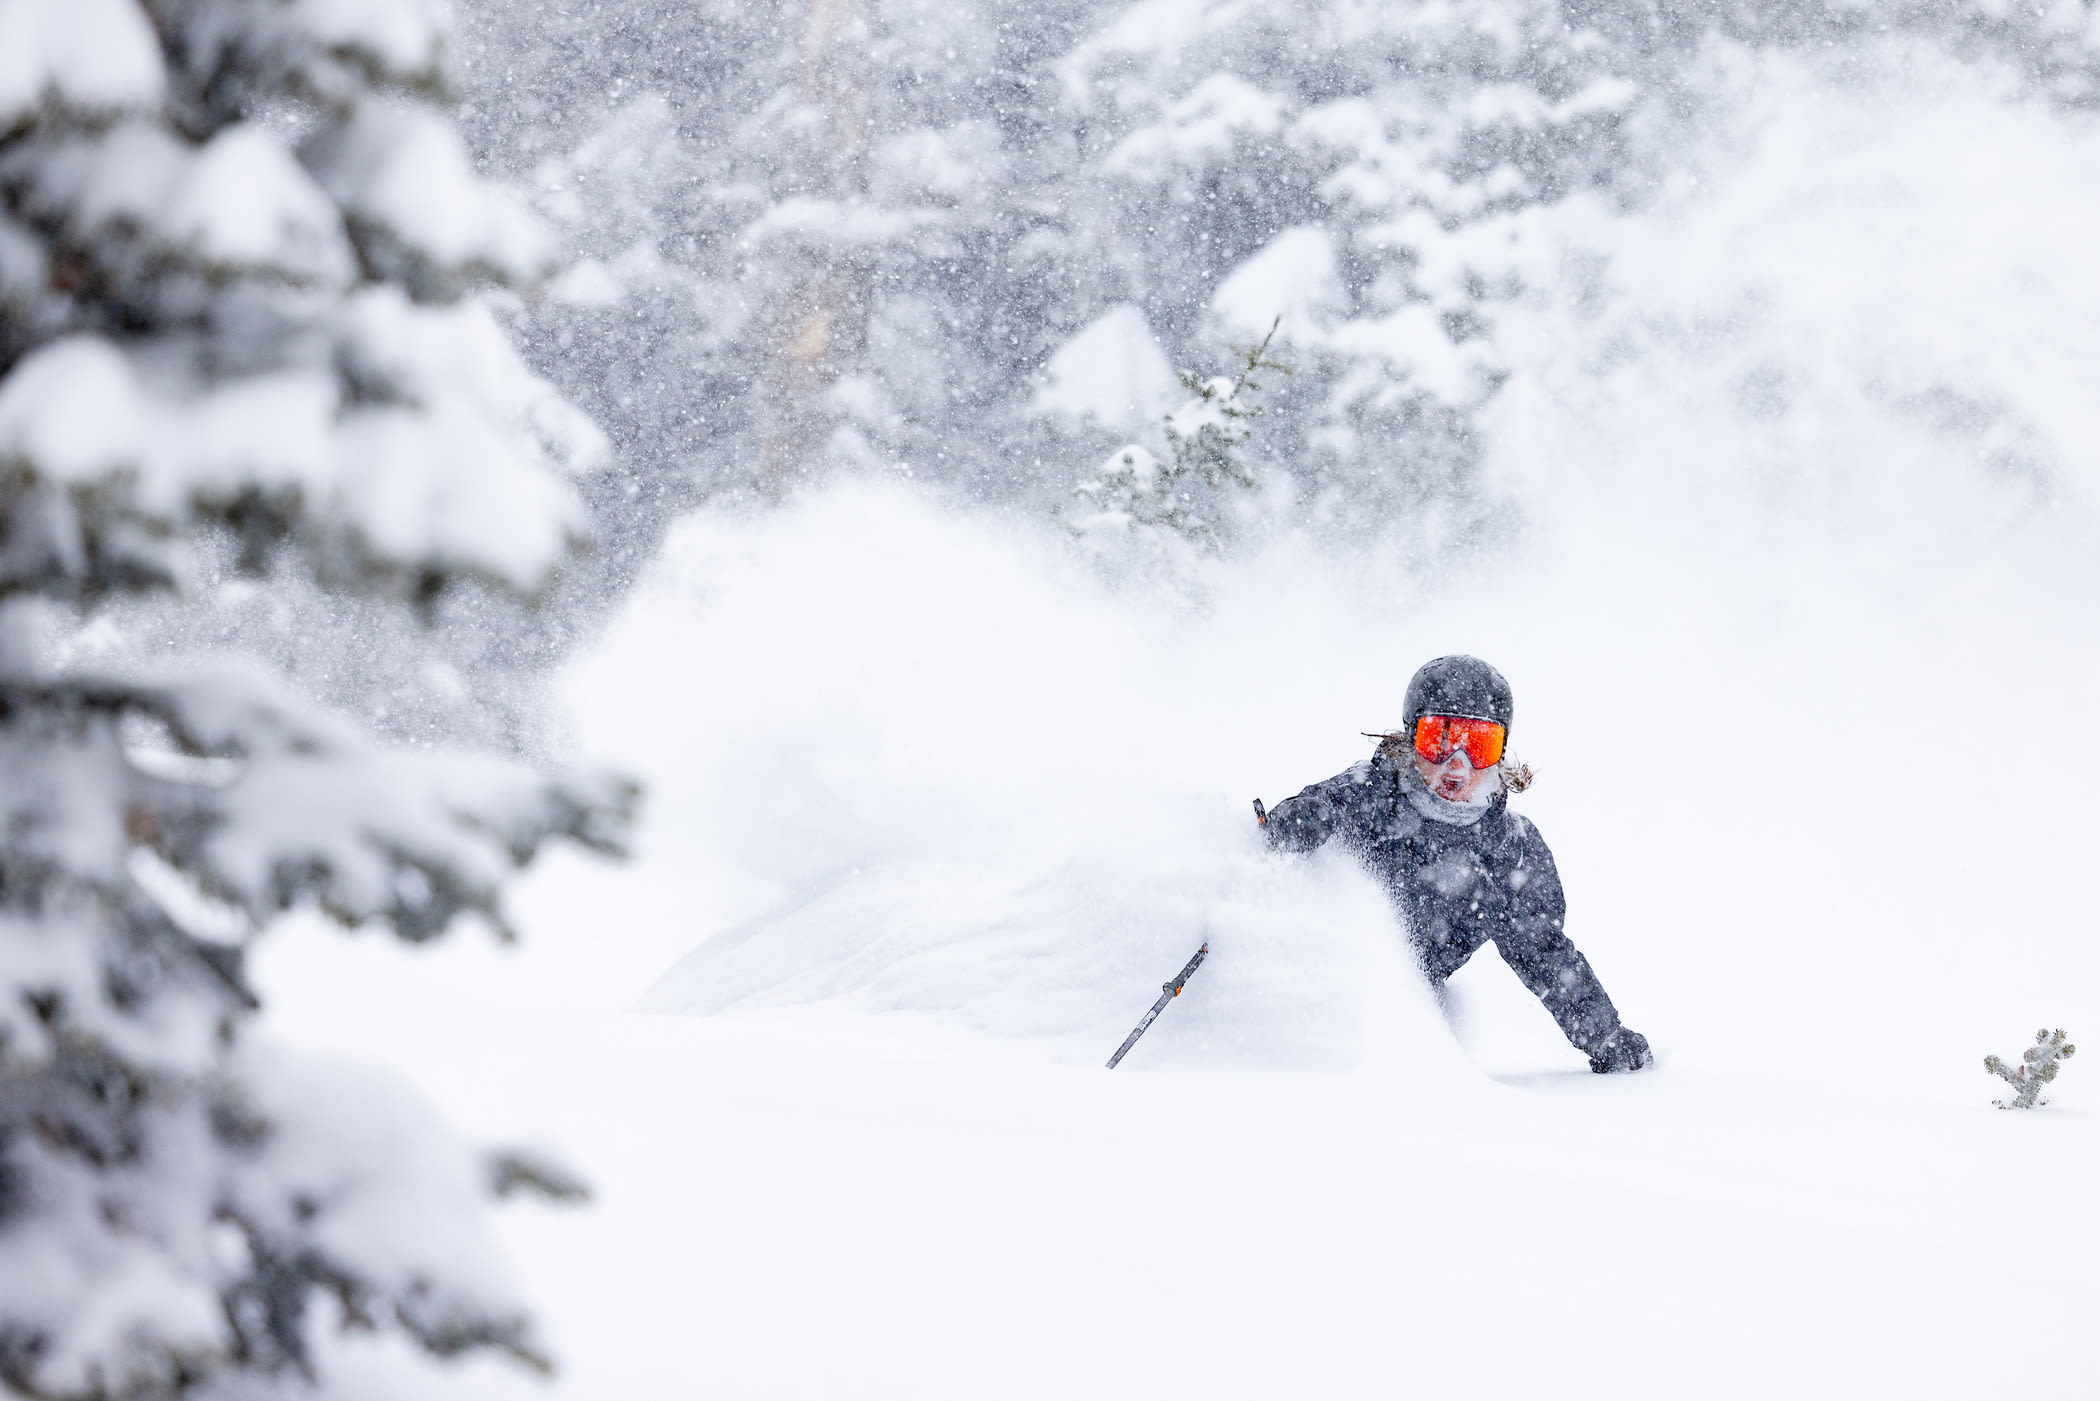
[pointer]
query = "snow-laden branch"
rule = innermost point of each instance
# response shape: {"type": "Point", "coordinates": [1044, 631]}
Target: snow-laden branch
{"type": "Point", "coordinates": [409, 444]}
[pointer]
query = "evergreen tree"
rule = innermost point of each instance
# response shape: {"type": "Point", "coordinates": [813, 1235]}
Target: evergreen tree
{"type": "Point", "coordinates": [1391, 178]}
{"type": "Point", "coordinates": [1206, 442]}
{"type": "Point", "coordinates": [237, 243]}
{"type": "Point", "coordinates": [768, 301]}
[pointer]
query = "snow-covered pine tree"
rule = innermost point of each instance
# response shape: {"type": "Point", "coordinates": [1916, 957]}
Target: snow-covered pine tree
{"type": "Point", "coordinates": [1207, 436]}
{"type": "Point", "coordinates": [1022, 170]}
{"type": "Point", "coordinates": [1399, 176]}
{"type": "Point", "coordinates": [1206, 441]}
{"type": "Point", "coordinates": [236, 238]}
{"type": "Point", "coordinates": [1402, 177]}
{"type": "Point", "coordinates": [1367, 170]}
{"type": "Point", "coordinates": [718, 210]}
{"type": "Point", "coordinates": [2037, 1067]}
{"type": "Point", "coordinates": [901, 280]}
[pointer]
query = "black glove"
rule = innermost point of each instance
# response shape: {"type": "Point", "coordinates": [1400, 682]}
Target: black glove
{"type": "Point", "coordinates": [1621, 1051]}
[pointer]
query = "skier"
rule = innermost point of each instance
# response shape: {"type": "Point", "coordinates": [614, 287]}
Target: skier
{"type": "Point", "coordinates": [1428, 815]}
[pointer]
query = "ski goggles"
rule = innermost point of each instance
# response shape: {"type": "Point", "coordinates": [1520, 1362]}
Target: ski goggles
{"type": "Point", "coordinates": [1438, 737]}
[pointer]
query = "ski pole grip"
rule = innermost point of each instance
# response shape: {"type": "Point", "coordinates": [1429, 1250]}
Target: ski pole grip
{"type": "Point", "coordinates": [1261, 814]}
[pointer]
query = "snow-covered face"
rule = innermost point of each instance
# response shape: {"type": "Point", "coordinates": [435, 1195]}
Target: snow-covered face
{"type": "Point", "coordinates": [1454, 780]}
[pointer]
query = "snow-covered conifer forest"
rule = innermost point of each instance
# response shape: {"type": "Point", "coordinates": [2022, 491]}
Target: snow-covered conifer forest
{"type": "Point", "coordinates": [633, 634]}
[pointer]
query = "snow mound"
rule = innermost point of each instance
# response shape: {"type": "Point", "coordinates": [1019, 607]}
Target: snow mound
{"type": "Point", "coordinates": [1294, 278]}
{"type": "Point", "coordinates": [89, 55]}
{"type": "Point", "coordinates": [1112, 372]}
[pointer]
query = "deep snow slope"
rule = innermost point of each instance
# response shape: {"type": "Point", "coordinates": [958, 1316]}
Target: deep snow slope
{"type": "Point", "coordinates": [1797, 603]}
{"type": "Point", "coordinates": [795, 1207]}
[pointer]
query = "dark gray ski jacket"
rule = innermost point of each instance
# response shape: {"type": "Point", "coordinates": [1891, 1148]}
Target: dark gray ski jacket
{"type": "Point", "coordinates": [1456, 886]}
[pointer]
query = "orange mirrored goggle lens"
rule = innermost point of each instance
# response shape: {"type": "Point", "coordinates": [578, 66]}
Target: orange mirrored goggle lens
{"type": "Point", "coordinates": [1438, 736]}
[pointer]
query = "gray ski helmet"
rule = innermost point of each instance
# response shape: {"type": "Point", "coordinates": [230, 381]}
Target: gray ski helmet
{"type": "Point", "coordinates": [1458, 686]}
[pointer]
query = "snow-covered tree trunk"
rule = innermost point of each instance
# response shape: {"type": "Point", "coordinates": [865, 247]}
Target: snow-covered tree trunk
{"type": "Point", "coordinates": [237, 244]}
{"type": "Point", "coordinates": [817, 322]}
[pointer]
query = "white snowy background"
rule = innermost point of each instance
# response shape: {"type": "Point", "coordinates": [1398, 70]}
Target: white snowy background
{"type": "Point", "coordinates": [1798, 604]}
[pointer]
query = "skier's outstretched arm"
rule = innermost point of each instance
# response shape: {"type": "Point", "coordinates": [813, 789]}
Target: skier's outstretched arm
{"type": "Point", "coordinates": [1546, 961]}
{"type": "Point", "coordinates": [1315, 814]}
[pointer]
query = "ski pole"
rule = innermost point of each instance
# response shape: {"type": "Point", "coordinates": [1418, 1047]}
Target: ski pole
{"type": "Point", "coordinates": [1167, 993]}
{"type": "Point", "coordinates": [1261, 814]}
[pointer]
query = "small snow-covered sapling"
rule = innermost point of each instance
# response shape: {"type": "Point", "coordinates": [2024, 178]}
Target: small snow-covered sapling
{"type": "Point", "coordinates": [2037, 1068]}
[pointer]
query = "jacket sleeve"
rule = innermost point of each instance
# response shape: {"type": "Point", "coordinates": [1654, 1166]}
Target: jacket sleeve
{"type": "Point", "coordinates": [1317, 813]}
{"type": "Point", "coordinates": [1532, 943]}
